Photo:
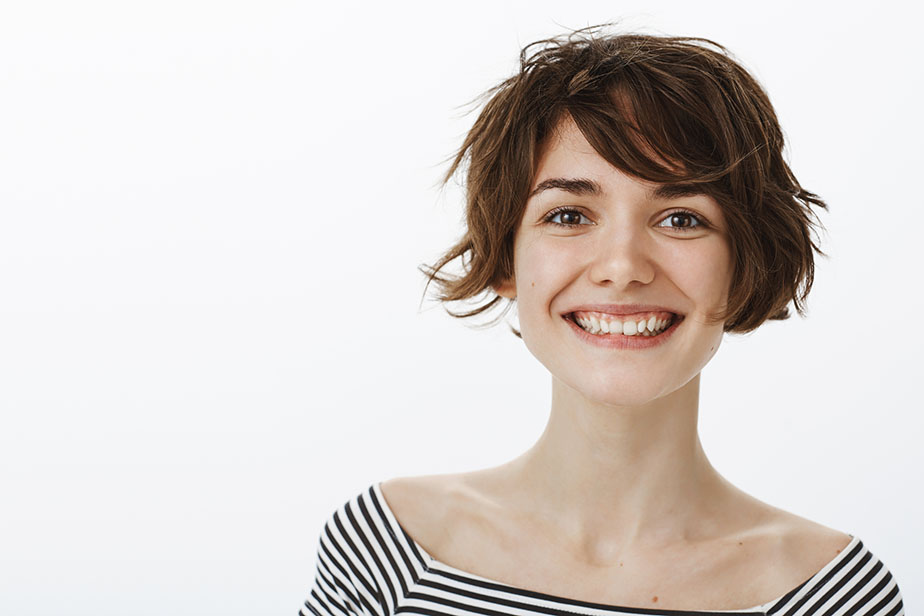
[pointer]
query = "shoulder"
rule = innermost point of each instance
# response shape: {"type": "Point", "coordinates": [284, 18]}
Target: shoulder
{"type": "Point", "coordinates": [413, 490]}
{"type": "Point", "coordinates": [836, 573]}
{"type": "Point", "coordinates": [424, 504]}
{"type": "Point", "coordinates": [807, 546]}
{"type": "Point", "coordinates": [358, 550]}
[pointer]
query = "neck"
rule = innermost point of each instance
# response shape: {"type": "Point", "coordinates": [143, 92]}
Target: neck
{"type": "Point", "coordinates": [617, 479]}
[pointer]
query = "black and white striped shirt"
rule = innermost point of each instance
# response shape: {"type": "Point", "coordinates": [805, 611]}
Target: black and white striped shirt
{"type": "Point", "coordinates": [367, 565]}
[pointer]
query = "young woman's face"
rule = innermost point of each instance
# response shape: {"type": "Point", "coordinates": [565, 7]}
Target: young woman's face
{"type": "Point", "coordinates": [626, 243]}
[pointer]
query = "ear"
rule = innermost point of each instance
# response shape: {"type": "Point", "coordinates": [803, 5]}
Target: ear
{"type": "Point", "coordinates": [507, 288]}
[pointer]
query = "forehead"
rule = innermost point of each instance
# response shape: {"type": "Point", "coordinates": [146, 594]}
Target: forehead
{"type": "Point", "coordinates": [566, 146]}
{"type": "Point", "coordinates": [567, 161]}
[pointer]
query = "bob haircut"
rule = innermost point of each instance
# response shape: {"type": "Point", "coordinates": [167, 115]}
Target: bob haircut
{"type": "Point", "coordinates": [663, 109]}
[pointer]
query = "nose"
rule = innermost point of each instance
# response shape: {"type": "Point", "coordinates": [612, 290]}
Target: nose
{"type": "Point", "coordinates": [622, 256]}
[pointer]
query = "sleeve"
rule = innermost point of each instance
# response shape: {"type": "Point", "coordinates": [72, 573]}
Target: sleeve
{"type": "Point", "coordinates": [864, 586]}
{"type": "Point", "coordinates": [879, 594]}
{"type": "Point", "coordinates": [329, 596]}
{"type": "Point", "coordinates": [340, 587]}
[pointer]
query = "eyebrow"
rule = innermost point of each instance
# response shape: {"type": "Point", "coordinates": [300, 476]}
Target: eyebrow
{"type": "Point", "coordinates": [673, 191]}
{"type": "Point", "coordinates": [585, 186]}
{"type": "Point", "coordinates": [575, 186]}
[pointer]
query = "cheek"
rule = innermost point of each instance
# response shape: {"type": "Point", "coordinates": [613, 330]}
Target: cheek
{"type": "Point", "coordinates": [543, 265]}
{"type": "Point", "coordinates": [706, 274]}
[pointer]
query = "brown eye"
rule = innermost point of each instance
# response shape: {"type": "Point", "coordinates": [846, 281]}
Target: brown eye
{"type": "Point", "coordinates": [567, 217]}
{"type": "Point", "coordinates": [680, 219]}
{"type": "Point", "coordinates": [684, 221]}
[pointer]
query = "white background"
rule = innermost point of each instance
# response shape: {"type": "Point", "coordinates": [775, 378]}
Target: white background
{"type": "Point", "coordinates": [211, 330]}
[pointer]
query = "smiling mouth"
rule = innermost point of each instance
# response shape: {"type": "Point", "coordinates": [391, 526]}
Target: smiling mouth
{"type": "Point", "coordinates": [645, 325]}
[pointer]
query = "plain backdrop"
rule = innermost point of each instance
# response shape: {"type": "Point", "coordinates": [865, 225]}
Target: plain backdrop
{"type": "Point", "coordinates": [211, 326]}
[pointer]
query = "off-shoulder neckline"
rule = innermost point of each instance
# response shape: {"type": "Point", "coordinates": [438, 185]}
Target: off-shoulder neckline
{"type": "Point", "coordinates": [432, 564]}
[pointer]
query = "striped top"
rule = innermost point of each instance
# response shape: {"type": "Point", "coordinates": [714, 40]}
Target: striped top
{"type": "Point", "coordinates": [367, 565]}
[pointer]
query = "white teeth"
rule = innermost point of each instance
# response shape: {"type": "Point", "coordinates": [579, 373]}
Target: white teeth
{"type": "Point", "coordinates": [651, 327]}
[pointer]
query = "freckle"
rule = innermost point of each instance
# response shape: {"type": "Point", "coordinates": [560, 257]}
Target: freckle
{"type": "Point", "coordinates": [532, 284]}
{"type": "Point", "coordinates": [654, 599]}
{"type": "Point", "coordinates": [741, 543]}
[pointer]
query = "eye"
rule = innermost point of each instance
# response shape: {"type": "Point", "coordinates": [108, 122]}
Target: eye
{"type": "Point", "coordinates": [685, 219]}
{"type": "Point", "coordinates": [569, 217]}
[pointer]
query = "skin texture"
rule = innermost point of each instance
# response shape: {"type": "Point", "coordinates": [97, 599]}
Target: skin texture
{"type": "Point", "coordinates": [616, 502]}
{"type": "Point", "coordinates": [621, 447]}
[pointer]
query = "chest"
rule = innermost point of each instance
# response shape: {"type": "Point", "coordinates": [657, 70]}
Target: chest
{"type": "Point", "coordinates": [724, 576]}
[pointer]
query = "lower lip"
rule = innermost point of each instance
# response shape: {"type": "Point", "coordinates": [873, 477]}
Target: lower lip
{"type": "Point", "coordinates": [619, 341]}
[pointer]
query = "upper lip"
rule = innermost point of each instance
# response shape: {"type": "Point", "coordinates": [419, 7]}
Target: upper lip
{"type": "Point", "coordinates": [621, 309]}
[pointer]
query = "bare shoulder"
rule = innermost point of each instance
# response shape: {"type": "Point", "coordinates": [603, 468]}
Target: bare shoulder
{"type": "Point", "coordinates": [772, 552]}
{"type": "Point", "coordinates": [417, 495]}
{"type": "Point", "coordinates": [800, 547]}
{"type": "Point", "coordinates": [812, 544]}
{"type": "Point", "coordinates": [423, 505]}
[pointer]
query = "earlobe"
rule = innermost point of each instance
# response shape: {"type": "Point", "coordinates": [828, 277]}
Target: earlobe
{"type": "Point", "coordinates": [506, 289]}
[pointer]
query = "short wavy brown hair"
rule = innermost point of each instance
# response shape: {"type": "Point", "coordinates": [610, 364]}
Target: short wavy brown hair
{"type": "Point", "coordinates": [640, 100]}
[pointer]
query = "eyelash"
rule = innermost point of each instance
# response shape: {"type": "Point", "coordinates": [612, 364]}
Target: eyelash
{"type": "Point", "coordinates": [561, 210]}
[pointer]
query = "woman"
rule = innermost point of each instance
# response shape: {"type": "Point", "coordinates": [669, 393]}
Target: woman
{"type": "Point", "coordinates": [629, 194]}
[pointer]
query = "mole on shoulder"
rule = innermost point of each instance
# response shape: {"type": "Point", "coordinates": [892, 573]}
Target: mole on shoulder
{"type": "Point", "coordinates": [654, 599]}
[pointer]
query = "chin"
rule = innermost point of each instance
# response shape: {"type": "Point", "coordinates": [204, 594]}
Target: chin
{"type": "Point", "coordinates": [622, 392]}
